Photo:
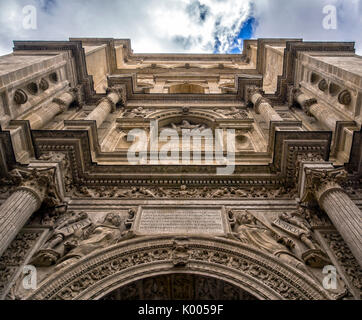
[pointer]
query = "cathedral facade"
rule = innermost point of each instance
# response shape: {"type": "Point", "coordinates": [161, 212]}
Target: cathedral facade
{"type": "Point", "coordinates": [130, 176]}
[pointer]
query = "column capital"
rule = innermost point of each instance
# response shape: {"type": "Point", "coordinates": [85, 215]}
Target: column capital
{"type": "Point", "coordinates": [121, 91]}
{"type": "Point", "coordinates": [65, 99]}
{"type": "Point", "coordinates": [39, 182]}
{"type": "Point", "coordinates": [320, 181]}
{"type": "Point", "coordinates": [304, 100]}
{"type": "Point", "coordinates": [252, 90]}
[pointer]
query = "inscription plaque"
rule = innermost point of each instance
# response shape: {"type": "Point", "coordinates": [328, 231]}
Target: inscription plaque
{"type": "Point", "coordinates": [181, 220]}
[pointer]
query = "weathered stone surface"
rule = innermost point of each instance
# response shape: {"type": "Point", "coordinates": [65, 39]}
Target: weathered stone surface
{"type": "Point", "coordinates": [180, 228]}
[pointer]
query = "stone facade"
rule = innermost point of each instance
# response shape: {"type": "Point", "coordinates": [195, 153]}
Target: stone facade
{"type": "Point", "coordinates": [83, 221]}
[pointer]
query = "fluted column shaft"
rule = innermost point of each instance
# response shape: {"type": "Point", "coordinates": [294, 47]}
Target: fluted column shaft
{"type": "Point", "coordinates": [15, 212]}
{"type": "Point", "coordinates": [44, 115]}
{"type": "Point", "coordinates": [264, 108]}
{"type": "Point", "coordinates": [324, 115]}
{"type": "Point", "coordinates": [104, 108]}
{"type": "Point", "coordinates": [345, 216]}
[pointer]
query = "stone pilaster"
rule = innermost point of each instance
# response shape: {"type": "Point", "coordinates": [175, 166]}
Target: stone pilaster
{"type": "Point", "coordinates": [19, 207]}
{"type": "Point", "coordinates": [107, 105]}
{"type": "Point", "coordinates": [324, 185]}
{"type": "Point", "coordinates": [44, 115]}
{"type": "Point", "coordinates": [263, 107]}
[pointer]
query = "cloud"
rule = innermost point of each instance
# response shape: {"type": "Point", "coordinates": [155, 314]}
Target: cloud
{"type": "Point", "coordinates": [180, 25]}
{"type": "Point", "coordinates": [304, 19]}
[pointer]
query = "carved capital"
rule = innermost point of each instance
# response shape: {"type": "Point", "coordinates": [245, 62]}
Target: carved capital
{"type": "Point", "coordinates": [321, 181]}
{"type": "Point", "coordinates": [40, 182]}
{"type": "Point", "coordinates": [252, 90]}
{"type": "Point", "coordinates": [121, 91]}
{"type": "Point", "coordinates": [304, 101]}
{"type": "Point", "coordinates": [65, 99]}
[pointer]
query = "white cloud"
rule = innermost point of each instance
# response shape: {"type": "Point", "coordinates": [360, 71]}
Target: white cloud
{"type": "Point", "coordinates": [304, 19]}
{"type": "Point", "coordinates": [178, 25]}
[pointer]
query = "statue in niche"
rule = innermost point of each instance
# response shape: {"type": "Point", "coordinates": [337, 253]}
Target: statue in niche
{"type": "Point", "coordinates": [250, 230]}
{"type": "Point", "coordinates": [296, 225]}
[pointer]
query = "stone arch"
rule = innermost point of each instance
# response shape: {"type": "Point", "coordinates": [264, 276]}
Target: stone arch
{"type": "Point", "coordinates": [260, 274]}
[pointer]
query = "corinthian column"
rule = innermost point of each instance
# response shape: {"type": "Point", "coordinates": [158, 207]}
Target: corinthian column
{"type": "Point", "coordinates": [44, 115]}
{"type": "Point", "coordinates": [263, 107]}
{"type": "Point", "coordinates": [342, 211]}
{"type": "Point", "coordinates": [19, 207]}
{"type": "Point", "coordinates": [107, 105]}
{"type": "Point", "coordinates": [323, 114]}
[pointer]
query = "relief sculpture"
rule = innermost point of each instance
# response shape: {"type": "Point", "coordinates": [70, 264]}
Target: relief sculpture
{"type": "Point", "coordinates": [296, 226]}
{"type": "Point", "coordinates": [77, 236]}
{"type": "Point", "coordinates": [251, 230]}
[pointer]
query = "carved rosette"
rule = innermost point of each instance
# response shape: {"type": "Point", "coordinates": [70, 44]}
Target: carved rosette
{"type": "Point", "coordinates": [44, 84]}
{"type": "Point", "coordinates": [345, 98]}
{"type": "Point", "coordinates": [20, 97]}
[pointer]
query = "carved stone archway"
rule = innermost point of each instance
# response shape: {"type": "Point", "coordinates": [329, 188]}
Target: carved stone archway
{"type": "Point", "coordinates": [260, 274]}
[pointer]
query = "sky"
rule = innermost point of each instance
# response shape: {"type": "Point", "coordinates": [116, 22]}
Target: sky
{"type": "Point", "coordinates": [192, 26]}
